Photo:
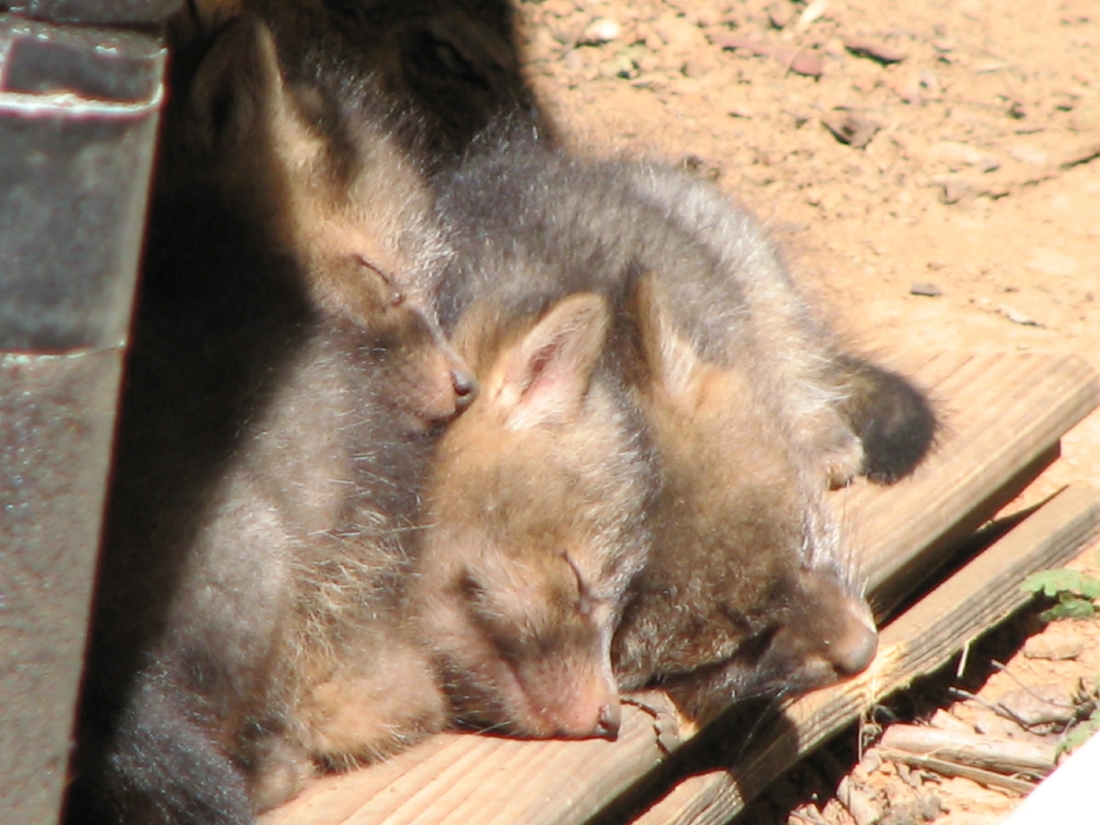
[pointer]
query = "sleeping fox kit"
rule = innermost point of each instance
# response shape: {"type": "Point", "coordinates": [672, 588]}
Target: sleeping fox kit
{"type": "Point", "coordinates": [284, 396]}
{"type": "Point", "coordinates": [534, 520]}
{"type": "Point", "coordinates": [743, 407]}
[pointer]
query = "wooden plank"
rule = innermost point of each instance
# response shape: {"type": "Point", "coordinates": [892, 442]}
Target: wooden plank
{"type": "Point", "coordinates": [457, 778]}
{"type": "Point", "coordinates": [925, 637]}
{"type": "Point", "coordinates": [1004, 416]}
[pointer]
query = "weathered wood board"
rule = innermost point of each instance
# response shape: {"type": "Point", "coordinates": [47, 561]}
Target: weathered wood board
{"type": "Point", "coordinates": [1004, 415]}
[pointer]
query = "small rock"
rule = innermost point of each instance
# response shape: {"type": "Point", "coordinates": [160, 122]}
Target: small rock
{"type": "Point", "coordinates": [1040, 705]}
{"type": "Point", "coordinates": [909, 89]}
{"type": "Point", "coordinates": [859, 802]}
{"type": "Point", "coordinates": [954, 189]}
{"type": "Point", "coordinates": [780, 13]}
{"type": "Point", "coordinates": [1018, 317]}
{"type": "Point", "coordinates": [693, 68]}
{"type": "Point", "coordinates": [956, 155]}
{"type": "Point", "coordinates": [807, 64]}
{"type": "Point", "coordinates": [927, 290]}
{"type": "Point", "coordinates": [878, 52]}
{"type": "Point", "coordinates": [601, 30]}
{"type": "Point", "coordinates": [871, 761]}
{"type": "Point", "coordinates": [1031, 155]}
{"type": "Point", "coordinates": [572, 61]}
{"type": "Point", "coordinates": [849, 127]}
{"type": "Point", "coordinates": [1053, 648]}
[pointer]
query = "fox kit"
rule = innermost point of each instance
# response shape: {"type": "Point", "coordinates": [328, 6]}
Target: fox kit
{"type": "Point", "coordinates": [534, 522]}
{"type": "Point", "coordinates": [285, 393]}
{"type": "Point", "coordinates": [748, 409]}
{"type": "Point", "coordinates": [754, 411]}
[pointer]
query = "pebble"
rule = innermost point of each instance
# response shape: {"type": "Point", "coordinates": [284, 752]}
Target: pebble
{"type": "Point", "coordinates": [1053, 648]}
{"type": "Point", "coordinates": [926, 290]}
{"type": "Point", "coordinates": [601, 30]}
{"type": "Point", "coordinates": [956, 155]}
{"type": "Point", "coordinates": [878, 52]}
{"type": "Point", "coordinates": [780, 13]}
{"type": "Point", "coordinates": [849, 127]}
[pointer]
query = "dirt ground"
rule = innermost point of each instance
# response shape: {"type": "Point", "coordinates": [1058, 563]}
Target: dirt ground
{"type": "Point", "coordinates": [933, 169]}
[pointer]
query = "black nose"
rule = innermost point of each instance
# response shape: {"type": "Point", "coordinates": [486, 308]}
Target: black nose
{"type": "Point", "coordinates": [607, 726]}
{"type": "Point", "coordinates": [465, 385]}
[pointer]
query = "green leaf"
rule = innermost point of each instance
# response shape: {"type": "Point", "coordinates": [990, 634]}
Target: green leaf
{"type": "Point", "coordinates": [1069, 607]}
{"type": "Point", "coordinates": [1090, 587]}
{"type": "Point", "coordinates": [1062, 580]}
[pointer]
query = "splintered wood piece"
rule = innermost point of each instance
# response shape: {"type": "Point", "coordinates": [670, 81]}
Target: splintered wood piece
{"type": "Point", "coordinates": [944, 767]}
{"type": "Point", "coordinates": [1004, 416]}
{"type": "Point", "coordinates": [982, 593]}
{"type": "Point", "coordinates": [994, 753]}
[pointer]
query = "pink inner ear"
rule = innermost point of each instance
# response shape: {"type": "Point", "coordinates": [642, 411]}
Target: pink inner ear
{"type": "Point", "coordinates": [548, 372]}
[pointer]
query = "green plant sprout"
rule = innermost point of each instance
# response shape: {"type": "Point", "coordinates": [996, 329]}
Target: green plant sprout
{"type": "Point", "coordinates": [1080, 733]}
{"type": "Point", "coordinates": [1076, 593]}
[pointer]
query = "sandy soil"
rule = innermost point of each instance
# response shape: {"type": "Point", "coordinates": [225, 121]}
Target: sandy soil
{"type": "Point", "coordinates": [934, 170]}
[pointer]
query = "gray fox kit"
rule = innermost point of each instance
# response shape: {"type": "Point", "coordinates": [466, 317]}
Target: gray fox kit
{"type": "Point", "coordinates": [533, 522]}
{"type": "Point", "coordinates": [747, 408]}
{"type": "Point", "coordinates": [284, 396]}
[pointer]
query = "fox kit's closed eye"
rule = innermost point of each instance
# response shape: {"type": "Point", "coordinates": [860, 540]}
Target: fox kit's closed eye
{"type": "Point", "coordinates": [285, 391]}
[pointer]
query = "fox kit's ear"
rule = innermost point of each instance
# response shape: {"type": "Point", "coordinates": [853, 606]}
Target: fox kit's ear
{"type": "Point", "coordinates": [671, 360]}
{"type": "Point", "coordinates": [545, 375]}
{"type": "Point", "coordinates": [238, 80]}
